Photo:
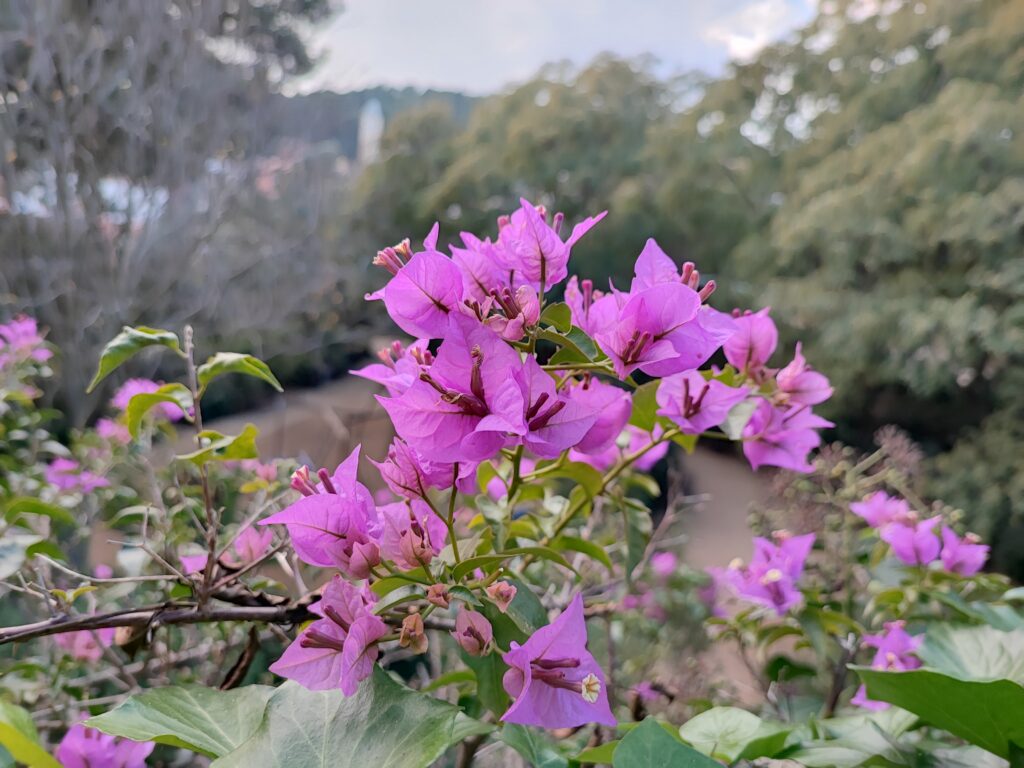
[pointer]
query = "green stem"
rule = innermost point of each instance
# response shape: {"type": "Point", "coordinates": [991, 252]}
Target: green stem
{"type": "Point", "coordinates": [450, 520]}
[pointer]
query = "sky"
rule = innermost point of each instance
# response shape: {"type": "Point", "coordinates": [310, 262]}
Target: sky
{"type": "Point", "coordinates": [480, 46]}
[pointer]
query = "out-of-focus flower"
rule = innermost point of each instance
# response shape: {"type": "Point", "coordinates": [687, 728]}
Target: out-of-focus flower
{"type": "Point", "coordinates": [965, 556]}
{"type": "Point", "coordinates": [251, 544]}
{"type": "Point", "coordinates": [664, 564]}
{"type": "Point", "coordinates": [84, 747]}
{"type": "Point", "coordinates": [339, 649]}
{"type": "Point", "coordinates": [21, 340]}
{"type": "Point", "coordinates": [774, 571]}
{"type": "Point", "coordinates": [84, 644]}
{"type": "Point", "coordinates": [636, 440]}
{"type": "Point", "coordinates": [913, 543]}
{"type": "Point", "coordinates": [555, 681]}
{"type": "Point", "coordinates": [114, 431]}
{"type": "Point", "coordinates": [473, 632]}
{"type": "Point", "coordinates": [880, 509]}
{"type": "Point", "coordinates": [68, 475]}
{"type": "Point", "coordinates": [894, 651]}
{"type": "Point", "coordinates": [134, 387]}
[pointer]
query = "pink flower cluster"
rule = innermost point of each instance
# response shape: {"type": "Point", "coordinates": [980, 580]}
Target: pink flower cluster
{"type": "Point", "coordinates": [84, 747]}
{"type": "Point", "coordinates": [771, 578]}
{"type": "Point", "coordinates": [894, 651]}
{"type": "Point", "coordinates": [921, 542]}
{"type": "Point", "coordinates": [21, 341]}
{"type": "Point", "coordinates": [470, 389]}
{"type": "Point", "coordinates": [133, 387]}
{"type": "Point", "coordinates": [68, 475]}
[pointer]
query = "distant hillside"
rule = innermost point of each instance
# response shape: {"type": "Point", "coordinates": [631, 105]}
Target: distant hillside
{"type": "Point", "coordinates": [330, 116]}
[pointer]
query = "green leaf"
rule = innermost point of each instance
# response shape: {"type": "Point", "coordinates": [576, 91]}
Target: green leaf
{"type": "Point", "coordinates": [600, 755]}
{"type": "Point", "coordinates": [486, 561]}
{"type": "Point", "coordinates": [558, 315]}
{"type": "Point", "coordinates": [201, 719]}
{"type": "Point", "coordinates": [576, 346]}
{"type": "Point", "coordinates": [489, 671]}
{"type": "Point", "coordinates": [638, 534]}
{"type": "Point", "coordinates": [127, 343]}
{"type": "Point", "coordinates": [533, 746]}
{"type": "Point", "coordinates": [140, 404]}
{"type": "Point", "coordinates": [738, 417]}
{"type": "Point", "coordinates": [988, 714]}
{"type": "Point", "coordinates": [384, 725]}
{"type": "Point", "coordinates": [650, 746]}
{"type": "Point", "coordinates": [687, 442]}
{"type": "Point", "coordinates": [974, 653]}
{"type": "Point", "coordinates": [583, 475]}
{"type": "Point", "coordinates": [588, 548]}
{"type": "Point", "coordinates": [234, 362]}
{"type": "Point", "coordinates": [856, 740]}
{"type": "Point", "coordinates": [525, 610]}
{"type": "Point", "coordinates": [728, 733]}
{"type": "Point", "coordinates": [13, 552]}
{"type": "Point", "coordinates": [645, 406]}
{"type": "Point", "coordinates": [25, 505]}
{"type": "Point", "coordinates": [18, 736]}
{"type": "Point", "coordinates": [218, 447]}
{"type": "Point", "coordinates": [467, 727]}
{"type": "Point", "coordinates": [454, 677]}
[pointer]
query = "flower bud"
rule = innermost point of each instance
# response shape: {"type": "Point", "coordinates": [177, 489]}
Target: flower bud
{"type": "Point", "coordinates": [438, 595]}
{"type": "Point", "coordinates": [473, 632]}
{"type": "Point", "coordinates": [413, 635]}
{"type": "Point", "coordinates": [502, 593]}
{"type": "Point", "coordinates": [365, 557]}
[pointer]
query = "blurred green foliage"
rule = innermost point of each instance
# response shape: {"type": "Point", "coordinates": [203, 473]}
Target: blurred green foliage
{"type": "Point", "coordinates": [865, 175]}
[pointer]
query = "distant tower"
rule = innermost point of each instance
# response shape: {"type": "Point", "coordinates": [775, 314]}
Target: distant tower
{"type": "Point", "coordinates": [371, 126]}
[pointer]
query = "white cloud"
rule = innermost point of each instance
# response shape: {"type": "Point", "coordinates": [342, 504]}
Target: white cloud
{"type": "Point", "coordinates": [481, 45]}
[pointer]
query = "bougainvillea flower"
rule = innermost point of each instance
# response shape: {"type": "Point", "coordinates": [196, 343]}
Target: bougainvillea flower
{"type": "Point", "coordinates": [554, 420]}
{"type": "Point", "coordinates": [880, 509]}
{"type": "Point", "coordinates": [965, 556]}
{"type": "Point", "coordinates": [754, 341]}
{"type": "Point", "coordinates": [612, 406]}
{"type": "Point", "coordinates": [134, 387]}
{"type": "Point", "coordinates": [85, 645]}
{"type": "Point", "coordinates": [799, 385]}
{"type": "Point", "coordinates": [439, 595]}
{"type": "Point", "coordinates": [915, 543]}
{"type": "Point", "coordinates": [533, 248]}
{"type": "Point", "coordinates": [581, 298]}
{"type": "Point", "coordinates": [20, 340]}
{"type": "Point", "coordinates": [664, 564]}
{"type": "Point", "coordinates": [411, 534]}
{"type": "Point", "coordinates": [481, 265]}
{"type": "Point", "coordinates": [782, 438]}
{"type": "Point", "coordinates": [68, 475]}
{"type": "Point", "coordinates": [555, 681]}
{"type": "Point", "coordinates": [413, 635]}
{"type": "Point", "coordinates": [520, 309]}
{"type": "Point", "coordinates": [399, 367]}
{"type": "Point", "coordinates": [84, 747]}
{"type": "Point", "coordinates": [774, 571]}
{"type": "Point", "coordinates": [469, 402]}
{"type": "Point", "coordinates": [426, 287]}
{"type": "Point", "coordinates": [410, 475]}
{"type": "Point", "coordinates": [339, 649]}
{"type": "Point", "coordinates": [336, 524]}
{"type": "Point", "coordinates": [649, 330]}
{"type": "Point", "coordinates": [895, 649]}
{"type": "Point", "coordinates": [473, 632]}
{"type": "Point", "coordinates": [250, 545]}
{"type": "Point", "coordinates": [114, 431]}
{"type": "Point", "coordinates": [696, 404]}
